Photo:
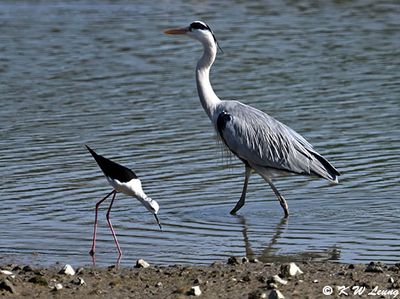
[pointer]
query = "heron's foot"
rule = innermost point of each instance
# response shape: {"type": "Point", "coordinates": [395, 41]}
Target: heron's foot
{"type": "Point", "coordinates": [286, 213]}
{"type": "Point", "coordinates": [91, 252]}
{"type": "Point", "coordinates": [236, 208]}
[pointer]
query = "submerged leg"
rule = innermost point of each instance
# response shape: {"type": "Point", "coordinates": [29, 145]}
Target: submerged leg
{"type": "Point", "coordinates": [282, 200]}
{"type": "Point", "coordinates": [240, 203]}
{"type": "Point", "coordinates": [93, 250]}
{"type": "Point", "coordinates": [111, 227]}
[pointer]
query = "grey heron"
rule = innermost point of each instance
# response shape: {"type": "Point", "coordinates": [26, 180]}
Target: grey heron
{"type": "Point", "coordinates": [123, 180]}
{"type": "Point", "coordinates": [261, 142]}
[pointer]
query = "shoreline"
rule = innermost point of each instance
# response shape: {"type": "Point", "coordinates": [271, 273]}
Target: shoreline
{"type": "Point", "coordinates": [236, 278]}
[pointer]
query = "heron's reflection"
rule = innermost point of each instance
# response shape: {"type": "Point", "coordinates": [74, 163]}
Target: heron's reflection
{"type": "Point", "coordinates": [269, 251]}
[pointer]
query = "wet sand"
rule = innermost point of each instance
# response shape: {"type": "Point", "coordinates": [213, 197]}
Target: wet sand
{"type": "Point", "coordinates": [236, 278]}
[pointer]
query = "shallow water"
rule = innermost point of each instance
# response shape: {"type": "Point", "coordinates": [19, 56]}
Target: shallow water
{"type": "Point", "coordinates": [105, 75]}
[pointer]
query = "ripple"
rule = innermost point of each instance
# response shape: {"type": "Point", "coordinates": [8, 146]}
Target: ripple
{"type": "Point", "coordinates": [84, 74]}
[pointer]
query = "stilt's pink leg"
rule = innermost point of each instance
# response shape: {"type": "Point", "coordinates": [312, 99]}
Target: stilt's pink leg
{"type": "Point", "coordinates": [93, 250]}
{"type": "Point", "coordinates": [111, 227]}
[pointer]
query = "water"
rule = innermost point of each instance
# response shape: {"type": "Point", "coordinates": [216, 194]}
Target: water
{"type": "Point", "coordinates": [74, 73]}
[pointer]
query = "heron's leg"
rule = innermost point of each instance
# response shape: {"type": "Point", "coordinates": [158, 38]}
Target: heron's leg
{"type": "Point", "coordinates": [93, 250]}
{"type": "Point", "coordinates": [111, 227]}
{"type": "Point", "coordinates": [240, 203]}
{"type": "Point", "coordinates": [282, 200]}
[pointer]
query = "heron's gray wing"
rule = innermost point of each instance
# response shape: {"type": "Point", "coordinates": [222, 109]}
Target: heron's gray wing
{"type": "Point", "coordinates": [261, 140]}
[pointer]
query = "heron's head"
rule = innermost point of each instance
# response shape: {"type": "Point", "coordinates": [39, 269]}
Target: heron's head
{"type": "Point", "coordinates": [197, 30]}
{"type": "Point", "coordinates": [153, 207]}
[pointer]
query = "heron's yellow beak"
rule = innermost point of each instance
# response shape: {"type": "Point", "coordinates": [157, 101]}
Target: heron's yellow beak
{"type": "Point", "coordinates": [176, 31]}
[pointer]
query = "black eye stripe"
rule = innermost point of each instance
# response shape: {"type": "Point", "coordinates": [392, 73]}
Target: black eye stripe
{"type": "Point", "coordinates": [203, 26]}
{"type": "Point", "coordinates": [198, 25]}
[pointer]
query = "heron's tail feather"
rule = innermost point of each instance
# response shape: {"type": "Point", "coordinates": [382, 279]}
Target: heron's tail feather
{"type": "Point", "coordinates": [322, 168]}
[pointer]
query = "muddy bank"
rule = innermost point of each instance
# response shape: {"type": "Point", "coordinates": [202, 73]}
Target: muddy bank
{"type": "Point", "coordinates": [237, 278]}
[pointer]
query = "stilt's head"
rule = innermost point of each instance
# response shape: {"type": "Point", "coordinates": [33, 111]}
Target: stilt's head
{"type": "Point", "coordinates": [153, 207]}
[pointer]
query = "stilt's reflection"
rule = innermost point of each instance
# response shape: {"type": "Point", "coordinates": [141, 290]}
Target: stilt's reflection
{"type": "Point", "coordinates": [269, 251]}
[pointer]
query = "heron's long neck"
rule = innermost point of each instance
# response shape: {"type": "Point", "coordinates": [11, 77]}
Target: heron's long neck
{"type": "Point", "coordinates": [208, 98]}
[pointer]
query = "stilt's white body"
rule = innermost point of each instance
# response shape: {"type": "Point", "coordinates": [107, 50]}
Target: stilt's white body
{"type": "Point", "coordinates": [134, 188]}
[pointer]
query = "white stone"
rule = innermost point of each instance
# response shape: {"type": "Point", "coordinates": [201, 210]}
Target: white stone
{"type": "Point", "coordinates": [68, 270]}
{"type": "Point", "coordinates": [195, 291]}
{"type": "Point", "coordinates": [6, 272]}
{"type": "Point", "coordinates": [58, 286]}
{"type": "Point", "coordinates": [290, 269]}
{"type": "Point", "coordinates": [142, 264]}
{"type": "Point", "coordinates": [81, 281]}
{"type": "Point", "coordinates": [279, 280]}
{"type": "Point", "coordinates": [294, 269]}
{"type": "Point", "coordinates": [276, 294]}
{"type": "Point", "coordinates": [257, 295]}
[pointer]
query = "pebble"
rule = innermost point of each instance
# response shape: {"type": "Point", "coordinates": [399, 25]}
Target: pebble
{"type": "Point", "coordinates": [159, 284]}
{"type": "Point", "coordinates": [140, 263]}
{"type": "Point", "coordinates": [198, 281]}
{"type": "Point", "coordinates": [254, 260]}
{"type": "Point", "coordinates": [234, 260]}
{"type": "Point", "coordinates": [276, 294]}
{"type": "Point", "coordinates": [80, 282]}
{"type": "Point", "coordinates": [216, 265]}
{"type": "Point", "coordinates": [80, 271]}
{"type": "Point", "coordinates": [289, 270]}
{"type": "Point", "coordinates": [57, 287]}
{"type": "Point", "coordinates": [16, 267]}
{"type": "Point", "coordinates": [6, 272]}
{"type": "Point", "coordinates": [67, 270]}
{"type": "Point", "coordinates": [112, 267]}
{"type": "Point", "coordinates": [257, 295]}
{"type": "Point", "coordinates": [27, 269]}
{"type": "Point", "coordinates": [280, 280]}
{"type": "Point", "coordinates": [194, 291]}
{"type": "Point", "coordinates": [374, 268]}
{"type": "Point", "coordinates": [7, 285]}
{"type": "Point", "coordinates": [40, 280]}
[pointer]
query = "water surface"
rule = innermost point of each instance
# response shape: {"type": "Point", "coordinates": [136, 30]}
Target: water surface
{"type": "Point", "coordinates": [75, 73]}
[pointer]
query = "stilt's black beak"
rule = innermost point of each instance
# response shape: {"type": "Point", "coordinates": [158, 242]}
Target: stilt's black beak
{"type": "Point", "coordinates": [158, 221]}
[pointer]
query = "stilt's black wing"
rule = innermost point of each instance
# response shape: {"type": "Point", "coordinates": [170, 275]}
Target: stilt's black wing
{"type": "Point", "coordinates": [112, 169]}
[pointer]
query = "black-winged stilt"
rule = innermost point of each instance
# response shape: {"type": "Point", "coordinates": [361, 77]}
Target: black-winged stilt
{"type": "Point", "coordinates": [123, 180]}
